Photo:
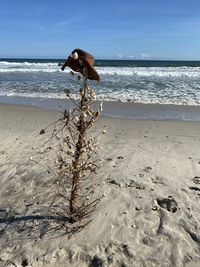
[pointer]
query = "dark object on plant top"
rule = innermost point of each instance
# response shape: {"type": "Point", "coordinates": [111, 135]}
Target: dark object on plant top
{"type": "Point", "coordinates": [79, 61]}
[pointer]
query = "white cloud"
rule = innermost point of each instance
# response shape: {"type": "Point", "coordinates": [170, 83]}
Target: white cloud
{"type": "Point", "coordinates": [143, 56]}
{"type": "Point", "coordinates": [119, 56]}
{"type": "Point", "coordinates": [138, 56]}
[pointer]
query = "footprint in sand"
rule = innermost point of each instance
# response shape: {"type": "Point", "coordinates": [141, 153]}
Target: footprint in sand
{"type": "Point", "coordinates": [169, 204]}
{"type": "Point", "coordinates": [147, 169]}
{"type": "Point", "coordinates": [194, 188]}
{"type": "Point", "coordinates": [135, 184]}
{"type": "Point", "coordinates": [96, 262]}
{"type": "Point", "coordinates": [120, 157]}
{"type": "Point", "coordinates": [108, 159]}
{"type": "Point", "coordinates": [196, 179]}
{"type": "Point", "coordinates": [25, 262]}
{"type": "Point", "coordinates": [158, 180]}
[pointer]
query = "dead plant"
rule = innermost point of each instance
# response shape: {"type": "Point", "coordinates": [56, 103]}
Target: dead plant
{"type": "Point", "coordinates": [76, 160]}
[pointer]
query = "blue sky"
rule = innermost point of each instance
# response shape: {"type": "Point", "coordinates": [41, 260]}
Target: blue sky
{"type": "Point", "coordinates": [130, 29]}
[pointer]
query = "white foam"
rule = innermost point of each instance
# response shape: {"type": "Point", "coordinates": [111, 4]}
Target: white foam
{"type": "Point", "coordinates": [114, 71]}
{"type": "Point", "coordinates": [28, 67]}
{"type": "Point", "coordinates": [120, 96]}
{"type": "Point", "coordinates": [163, 85]}
{"type": "Point", "coordinates": [151, 71]}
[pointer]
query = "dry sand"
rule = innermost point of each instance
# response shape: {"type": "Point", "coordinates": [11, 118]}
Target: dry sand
{"type": "Point", "coordinates": [149, 213]}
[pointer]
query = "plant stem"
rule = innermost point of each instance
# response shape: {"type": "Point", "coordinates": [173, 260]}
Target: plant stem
{"type": "Point", "coordinates": [79, 145]}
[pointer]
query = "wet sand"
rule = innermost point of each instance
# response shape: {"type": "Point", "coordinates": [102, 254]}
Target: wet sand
{"type": "Point", "coordinates": [125, 110]}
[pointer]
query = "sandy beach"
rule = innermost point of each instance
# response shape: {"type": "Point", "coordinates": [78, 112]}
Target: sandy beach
{"type": "Point", "coordinates": [149, 185]}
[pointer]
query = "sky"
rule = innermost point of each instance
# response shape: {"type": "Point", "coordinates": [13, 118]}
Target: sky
{"type": "Point", "coordinates": [108, 29]}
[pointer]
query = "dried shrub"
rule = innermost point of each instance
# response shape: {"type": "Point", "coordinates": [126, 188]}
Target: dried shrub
{"type": "Point", "coordinates": [76, 160]}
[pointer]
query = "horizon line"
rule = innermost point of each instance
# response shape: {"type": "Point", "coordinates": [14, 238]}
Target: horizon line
{"type": "Point", "coordinates": [117, 59]}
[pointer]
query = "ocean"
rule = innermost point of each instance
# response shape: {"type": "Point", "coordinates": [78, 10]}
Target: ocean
{"type": "Point", "coordinates": [133, 81]}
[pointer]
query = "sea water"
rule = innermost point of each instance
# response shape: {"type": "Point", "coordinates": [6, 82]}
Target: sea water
{"type": "Point", "coordinates": [157, 82]}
